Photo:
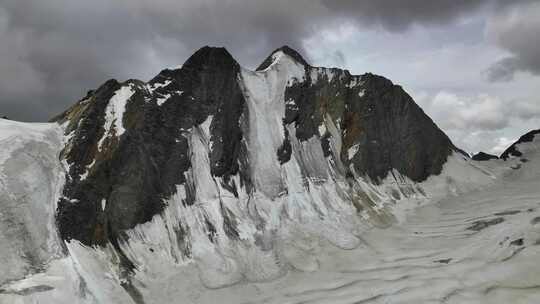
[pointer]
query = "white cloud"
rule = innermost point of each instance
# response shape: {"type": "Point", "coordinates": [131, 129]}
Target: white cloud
{"type": "Point", "coordinates": [475, 113]}
{"type": "Point", "coordinates": [502, 143]}
{"type": "Point", "coordinates": [480, 122]}
{"type": "Point", "coordinates": [19, 76]}
{"type": "Point", "coordinates": [442, 70]}
{"type": "Point", "coordinates": [515, 29]}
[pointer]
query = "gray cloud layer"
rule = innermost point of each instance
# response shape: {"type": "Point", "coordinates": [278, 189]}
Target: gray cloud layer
{"type": "Point", "coordinates": [53, 51]}
{"type": "Point", "coordinates": [516, 29]}
{"type": "Point", "coordinates": [399, 15]}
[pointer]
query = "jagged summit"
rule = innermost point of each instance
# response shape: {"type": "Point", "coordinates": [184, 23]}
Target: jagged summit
{"type": "Point", "coordinates": [210, 56]}
{"type": "Point", "coordinates": [285, 50]}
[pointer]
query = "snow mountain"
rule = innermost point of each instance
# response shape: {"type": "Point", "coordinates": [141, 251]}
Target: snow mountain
{"type": "Point", "coordinates": [212, 178]}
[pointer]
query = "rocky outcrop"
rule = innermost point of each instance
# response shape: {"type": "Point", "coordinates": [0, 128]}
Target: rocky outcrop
{"type": "Point", "coordinates": [482, 156]}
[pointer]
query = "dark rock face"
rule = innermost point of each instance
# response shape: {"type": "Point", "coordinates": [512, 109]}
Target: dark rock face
{"type": "Point", "coordinates": [132, 174]}
{"type": "Point", "coordinates": [394, 132]}
{"type": "Point", "coordinates": [513, 149]}
{"type": "Point", "coordinates": [116, 181]}
{"type": "Point", "coordinates": [483, 224]}
{"type": "Point", "coordinates": [481, 156]}
{"type": "Point", "coordinates": [377, 119]}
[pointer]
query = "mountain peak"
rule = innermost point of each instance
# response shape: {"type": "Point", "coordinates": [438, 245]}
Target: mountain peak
{"type": "Point", "coordinates": [287, 50]}
{"type": "Point", "coordinates": [210, 56]}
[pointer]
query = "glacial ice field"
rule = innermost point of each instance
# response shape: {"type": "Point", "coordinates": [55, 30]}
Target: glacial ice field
{"type": "Point", "coordinates": [478, 242]}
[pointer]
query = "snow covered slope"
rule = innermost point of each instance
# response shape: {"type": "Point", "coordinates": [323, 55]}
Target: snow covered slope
{"type": "Point", "coordinates": [31, 179]}
{"type": "Point", "coordinates": [471, 246]}
{"type": "Point", "coordinates": [291, 183]}
{"type": "Point", "coordinates": [478, 247]}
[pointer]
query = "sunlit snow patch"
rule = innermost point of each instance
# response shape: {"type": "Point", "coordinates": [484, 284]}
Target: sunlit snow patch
{"type": "Point", "coordinates": [114, 113]}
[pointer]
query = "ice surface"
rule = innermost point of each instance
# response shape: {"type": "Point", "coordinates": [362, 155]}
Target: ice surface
{"type": "Point", "coordinates": [317, 73]}
{"type": "Point", "coordinates": [158, 85]}
{"type": "Point", "coordinates": [162, 99]}
{"type": "Point", "coordinates": [431, 256]}
{"type": "Point", "coordinates": [265, 92]}
{"type": "Point", "coordinates": [352, 151]}
{"type": "Point", "coordinates": [31, 178]}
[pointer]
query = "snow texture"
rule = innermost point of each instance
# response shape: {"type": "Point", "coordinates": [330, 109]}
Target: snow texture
{"type": "Point", "coordinates": [31, 178]}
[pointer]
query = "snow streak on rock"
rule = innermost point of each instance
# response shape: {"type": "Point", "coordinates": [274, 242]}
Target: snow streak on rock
{"type": "Point", "coordinates": [114, 113]}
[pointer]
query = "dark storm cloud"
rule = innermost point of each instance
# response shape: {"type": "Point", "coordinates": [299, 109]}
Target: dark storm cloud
{"type": "Point", "coordinates": [52, 51]}
{"type": "Point", "coordinates": [516, 29]}
{"type": "Point", "coordinates": [399, 15]}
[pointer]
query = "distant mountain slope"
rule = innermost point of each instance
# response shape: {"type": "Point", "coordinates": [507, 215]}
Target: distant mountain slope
{"type": "Point", "coordinates": [514, 150]}
{"type": "Point", "coordinates": [482, 156]}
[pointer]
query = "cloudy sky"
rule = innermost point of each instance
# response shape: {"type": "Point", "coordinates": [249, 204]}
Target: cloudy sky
{"type": "Point", "coordinates": [474, 66]}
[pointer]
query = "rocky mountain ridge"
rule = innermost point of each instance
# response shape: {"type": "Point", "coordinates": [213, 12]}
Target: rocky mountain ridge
{"type": "Point", "coordinates": [128, 145]}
